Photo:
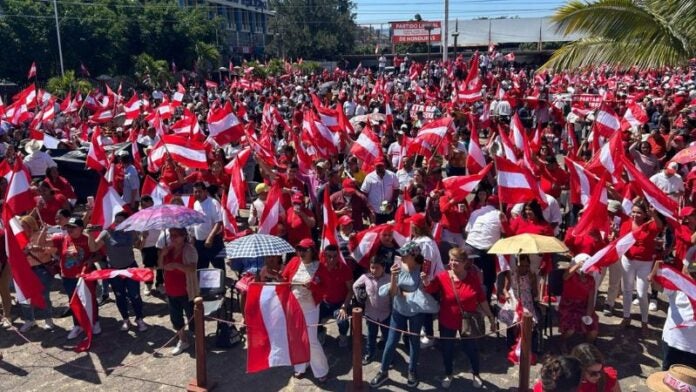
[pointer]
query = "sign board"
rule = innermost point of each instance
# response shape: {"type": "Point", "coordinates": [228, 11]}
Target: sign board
{"type": "Point", "coordinates": [410, 32]}
{"type": "Point", "coordinates": [428, 111]}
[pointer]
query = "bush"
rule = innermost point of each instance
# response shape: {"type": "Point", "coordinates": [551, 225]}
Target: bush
{"type": "Point", "coordinates": [61, 85]}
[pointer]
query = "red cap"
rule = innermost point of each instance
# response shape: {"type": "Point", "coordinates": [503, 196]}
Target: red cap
{"type": "Point", "coordinates": [306, 243]}
{"type": "Point", "coordinates": [686, 211]}
{"type": "Point", "coordinates": [297, 198]}
{"type": "Point", "coordinates": [418, 220]}
{"type": "Point", "coordinates": [379, 161]}
{"type": "Point", "coordinates": [345, 220]}
{"type": "Point", "coordinates": [493, 200]}
{"type": "Point", "coordinates": [349, 185]}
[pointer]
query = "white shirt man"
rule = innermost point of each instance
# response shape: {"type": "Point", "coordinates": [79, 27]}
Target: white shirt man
{"type": "Point", "coordinates": [483, 228]}
{"type": "Point", "coordinates": [349, 108]}
{"type": "Point", "coordinates": [37, 161]}
{"type": "Point", "coordinates": [669, 181]}
{"type": "Point", "coordinates": [394, 151]}
{"type": "Point", "coordinates": [131, 183]}
{"type": "Point", "coordinates": [380, 185]}
{"type": "Point", "coordinates": [207, 234]}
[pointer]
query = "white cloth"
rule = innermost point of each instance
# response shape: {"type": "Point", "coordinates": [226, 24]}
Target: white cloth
{"type": "Point", "coordinates": [38, 162]}
{"type": "Point", "coordinates": [131, 182]}
{"type": "Point", "coordinates": [635, 273]}
{"type": "Point", "coordinates": [152, 238]}
{"type": "Point", "coordinates": [213, 212]}
{"type": "Point", "coordinates": [349, 108]}
{"type": "Point", "coordinates": [404, 177]}
{"type": "Point", "coordinates": [317, 358]}
{"type": "Point", "coordinates": [679, 311]}
{"type": "Point", "coordinates": [483, 228]}
{"type": "Point", "coordinates": [504, 108]}
{"type": "Point", "coordinates": [430, 252]}
{"type": "Point", "coordinates": [394, 153]}
{"type": "Point", "coordinates": [552, 212]}
{"type": "Point", "coordinates": [669, 185]}
{"type": "Point", "coordinates": [258, 206]}
{"type": "Point", "coordinates": [379, 189]}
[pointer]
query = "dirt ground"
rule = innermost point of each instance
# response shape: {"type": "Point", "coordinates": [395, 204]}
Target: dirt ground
{"type": "Point", "coordinates": [134, 361]}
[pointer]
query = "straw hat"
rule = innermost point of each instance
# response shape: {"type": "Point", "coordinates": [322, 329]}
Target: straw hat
{"type": "Point", "coordinates": [677, 378]}
{"type": "Point", "coordinates": [32, 146]}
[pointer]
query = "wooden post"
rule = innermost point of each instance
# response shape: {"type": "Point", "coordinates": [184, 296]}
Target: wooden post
{"type": "Point", "coordinates": [357, 349]}
{"type": "Point", "coordinates": [525, 351]}
{"type": "Point", "coordinates": [200, 383]}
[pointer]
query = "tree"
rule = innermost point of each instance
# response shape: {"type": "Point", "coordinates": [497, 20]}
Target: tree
{"type": "Point", "coordinates": [313, 29]}
{"type": "Point", "coordinates": [151, 72]}
{"type": "Point", "coordinates": [645, 34]}
{"type": "Point", "coordinates": [207, 56]}
{"type": "Point", "coordinates": [61, 85]}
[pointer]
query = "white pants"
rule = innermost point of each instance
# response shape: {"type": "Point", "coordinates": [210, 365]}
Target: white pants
{"type": "Point", "coordinates": [615, 275]}
{"type": "Point", "coordinates": [634, 270]}
{"type": "Point", "coordinates": [317, 359]}
{"type": "Point", "coordinates": [453, 238]}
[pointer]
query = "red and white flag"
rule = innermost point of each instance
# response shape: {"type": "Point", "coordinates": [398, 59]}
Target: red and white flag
{"type": "Point", "coordinates": [271, 212]}
{"type": "Point", "coordinates": [189, 153]}
{"type": "Point", "coordinates": [367, 148]}
{"type": "Point", "coordinates": [96, 156]}
{"type": "Point", "coordinates": [157, 191]}
{"type": "Point", "coordinates": [107, 203]}
{"type": "Point", "coordinates": [235, 197]}
{"type": "Point", "coordinates": [84, 308]}
{"type": "Point", "coordinates": [19, 197]}
{"type": "Point", "coordinates": [475, 161]}
{"type": "Point", "coordinates": [518, 132]}
{"type": "Point", "coordinates": [459, 187]}
{"type": "Point", "coordinates": [595, 214]}
{"type": "Point", "coordinates": [609, 159]}
{"type": "Point", "coordinates": [516, 184]}
{"type": "Point", "coordinates": [102, 116]}
{"type": "Point", "coordinates": [32, 71]}
{"type": "Point", "coordinates": [610, 254]}
{"type": "Point", "coordinates": [606, 122]}
{"type": "Point", "coordinates": [470, 90]}
{"type": "Point", "coordinates": [276, 328]}
{"type": "Point", "coordinates": [16, 240]}
{"type": "Point", "coordinates": [209, 84]}
{"type": "Point", "coordinates": [581, 182]}
{"type": "Point", "coordinates": [330, 227]}
{"type": "Point", "coordinates": [635, 116]}
{"type": "Point", "coordinates": [510, 57]}
{"type": "Point", "coordinates": [664, 204]}
{"type": "Point", "coordinates": [433, 137]}
{"type": "Point", "coordinates": [673, 279]}
{"type": "Point", "coordinates": [224, 126]}
{"type": "Point", "coordinates": [365, 243]}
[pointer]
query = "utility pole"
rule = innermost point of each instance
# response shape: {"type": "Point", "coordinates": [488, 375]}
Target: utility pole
{"type": "Point", "coordinates": [60, 49]}
{"type": "Point", "coordinates": [445, 33]}
{"type": "Point", "coordinates": [455, 35]}
{"type": "Point", "coordinates": [429, 27]}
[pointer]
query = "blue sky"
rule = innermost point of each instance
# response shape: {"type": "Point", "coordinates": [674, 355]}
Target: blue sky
{"type": "Point", "coordinates": [383, 11]}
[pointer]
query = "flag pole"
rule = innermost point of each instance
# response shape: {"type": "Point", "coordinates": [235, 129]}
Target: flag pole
{"type": "Point", "coordinates": [494, 149]}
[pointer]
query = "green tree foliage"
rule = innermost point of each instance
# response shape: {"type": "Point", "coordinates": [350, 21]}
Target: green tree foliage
{"type": "Point", "coordinates": [150, 71]}
{"type": "Point", "coordinates": [61, 85]}
{"type": "Point", "coordinates": [102, 34]}
{"type": "Point", "coordinates": [313, 29]}
{"type": "Point", "coordinates": [645, 33]}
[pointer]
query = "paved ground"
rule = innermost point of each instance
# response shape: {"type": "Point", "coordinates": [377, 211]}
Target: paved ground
{"type": "Point", "coordinates": [48, 363]}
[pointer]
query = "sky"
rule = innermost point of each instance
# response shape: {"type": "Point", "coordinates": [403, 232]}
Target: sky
{"type": "Point", "coordinates": [383, 11]}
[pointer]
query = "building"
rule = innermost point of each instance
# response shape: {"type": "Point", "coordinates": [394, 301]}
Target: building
{"type": "Point", "coordinates": [245, 24]}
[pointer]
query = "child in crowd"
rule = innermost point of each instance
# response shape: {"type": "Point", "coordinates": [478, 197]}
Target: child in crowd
{"type": "Point", "coordinates": [376, 308]}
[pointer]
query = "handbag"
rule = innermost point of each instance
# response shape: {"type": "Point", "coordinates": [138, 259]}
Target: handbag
{"type": "Point", "coordinates": [472, 322]}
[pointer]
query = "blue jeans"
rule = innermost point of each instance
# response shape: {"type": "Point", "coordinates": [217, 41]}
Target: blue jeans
{"type": "Point", "coordinates": [69, 284]}
{"type": "Point", "coordinates": [468, 345]}
{"type": "Point", "coordinates": [372, 331]}
{"type": "Point", "coordinates": [401, 322]}
{"type": "Point", "coordinates": [45, 278]}
{"type": "Point", "coordinates": [127, 290]}
{"type": "Point", "coordinates": [327, 310]}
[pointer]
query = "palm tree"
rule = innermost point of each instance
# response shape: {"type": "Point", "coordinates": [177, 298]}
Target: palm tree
{"type": "Point", "coordinates": [207, 56]}
{"type": "Point", "coordinates": [641, 33]}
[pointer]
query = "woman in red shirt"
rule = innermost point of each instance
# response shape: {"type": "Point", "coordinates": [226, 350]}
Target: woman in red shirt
{"type": "Point", "coordinates": [531, 221]}
{"type": "Point", "coordinates": [461, 291]}
{"type": "Point", "coordinates": [299, 220]}
{"type": "Point", "coordinates": [576, 309]}
{"type": "Point", "coordinates": [596, 376]}
{"type": "Point", "coordinates": [59, 183]}
{"type": "Point", "coordinates": [49, 202]}
{"type": "Point", "coordinates": [638, 261]}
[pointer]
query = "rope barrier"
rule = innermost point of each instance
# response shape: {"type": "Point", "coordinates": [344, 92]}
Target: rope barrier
{"type": "Point", "coordinates": [241, 324]}
{"type": "Point", "coordinates": [498, 330]}
{"type": "Point", "coordinates": [106, 370]}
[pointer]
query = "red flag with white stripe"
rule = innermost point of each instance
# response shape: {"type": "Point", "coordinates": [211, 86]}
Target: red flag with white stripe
{"type": "Point", "coordinates": [18, 197]}
{"type": "Point", "coordinates": [364, 244]}
{"type": "Point", "coordinates": [157, 191]}
{"type": "Point", "coordinates": [664, 204]}
{"type": "Point", "coordinates": [518, 132]}
{"type": "Point", "coordinates": [433, 137]}
{"type": "Point", "coordinates": [606, 122]}
{"type": "Point", "coordinates": [16, 240]}
{"type": "Point", "coordinates": [459, 187]}
{"type": "Point", "coordinates": [224, 126]}
{"type": "Point", "coordinates": [367, 148]}
{"type": "Point", "coordinates": [470, 90]}
{"type": "Point", "coordinates": [635, 116]}
{"type": "Point", "coordinates": [235, 197]}
{"type": "Point", "coordinates": [107, 203]}
{"type": "Point", "coordinates": [276, 328]}
{"type": "Point", "coordinates": [475, 161]}
{"type": "Point", "coordinates": [673, 279]}
{"type": "Point", "coordinates": [32, 71]}
{"type": "Point", "coordinates": [189, 153]}
{"type": "Point", "coordinates": [595, 214]}
{"type": "Point", "coordinates": [611, 253]}
{"type": "Point", "coordinates": [516, 184]}
{"type": "Point", "coordinates": [96, 156]}
{"type": "Point", "coordinates": [581, 182]}
{"type": "Point", "coordinates": [271, 212]}
{"type": "Point", "coordinates": [84, 308]}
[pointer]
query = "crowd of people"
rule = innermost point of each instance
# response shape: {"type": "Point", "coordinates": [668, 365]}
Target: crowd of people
{"type": "Point", "coordinates": [407, 246]}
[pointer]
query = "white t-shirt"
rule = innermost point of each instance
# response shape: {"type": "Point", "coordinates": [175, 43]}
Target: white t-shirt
{"type": "Point", "coordinates": [680, 311]}
{"type": "Point", "coordinates": [404, 177]}
{"type": "Point", "coordinates": [131, 182]}
{"type": "Point", "coordinates": [213, 212]}
{"type": "Point", "coordinates": [394, 152]}
{"type": "Point", "coordinates": [483, 228]}
{"type": "Point", "coordinates": [379, 189]}
{"type": "Point", "coordinates": [38, 162]}
{"type": "Point", "coordinates": [668, 185]}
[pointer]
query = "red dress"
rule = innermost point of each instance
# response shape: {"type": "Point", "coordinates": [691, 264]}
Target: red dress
{"type": "Point", "coordinates": [573, 306]}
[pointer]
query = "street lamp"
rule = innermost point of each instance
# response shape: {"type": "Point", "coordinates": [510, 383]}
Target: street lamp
{"type": "Point", "coordinates": [430, 28]}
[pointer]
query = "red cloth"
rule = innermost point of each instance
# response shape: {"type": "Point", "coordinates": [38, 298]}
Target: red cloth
{"type": "Point", "coordinates": [644, 247]}
{"type": "Point", "coordinates": [63, 186]}
{"type": "Point", "coordinates": [682, 243]}
{"type": "Point", "coordinates": [470, 295]}
{"type": "Point", "coordinates": [51, 207]}
{"type": "Point", "coordinates": [520, 225]}
{"type": "Point", "coordinates": [588, 244]}
{"type": "Point", "coordinates": [318, 284]}
{"type": "Point", "coordinates": [610, 380]}
{"type": "Point", "coordinates": [296, 228]}
{"type": "Point", "coordinates": [552, 180]}
{"type": "Point", "coordinates": [221, 180]}
{"type": "Point", "coordinates": [174, 280]}
{"type": "Point", "coordinates": [73, 254]}
{"type": "Point", "coordinates": [336, 289]}
{"type": "Point", "coordinates": [451, 218]}
{"type": "Point", "coordinates": [574, 288]}
{"type": "Point", "coordinates": [658, 145]}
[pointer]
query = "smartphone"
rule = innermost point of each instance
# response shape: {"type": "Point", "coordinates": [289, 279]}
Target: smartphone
{"type": "Point", "coordinates": [397, 261]}
{"type": "Point", "coordinates": [90, 201]}
{"type": "Point", "coordinates": [462, 207]}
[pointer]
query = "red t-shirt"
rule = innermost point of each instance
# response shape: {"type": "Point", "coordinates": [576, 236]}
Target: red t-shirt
{"type": "Point", "coordinates": [51, 207]}
{"type": "Point", "coordinates": [63, 186]}
{"type": "Point", "coordinates": [296, 228]}
{"type": "Point", "coordinates": [644, 247]}
{"type": "Point", "coordinates": [682, 243]}
{"type": "Point", "coordinates": [208, 178]}
{"type": "Point", "coordinates": [574, 288]}
{"type": "Point", "coordinates": [610, 377]}
{"type": "Point", "coordinates": [174, 280]}
{"type": "Point", "coordinates": [451, 218]}
{"type": "Point", "coordinates": [336, 289]}
{"type": "Point", "coordinates": [73, 253]}
{"type": "Point", "coordinates": [520, 225]}
{"type": "Point", "coordinates": [469, 292]}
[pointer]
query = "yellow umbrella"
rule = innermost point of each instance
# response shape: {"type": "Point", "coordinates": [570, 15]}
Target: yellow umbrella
{"type": "Point", "coordinates": [528, 244]}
